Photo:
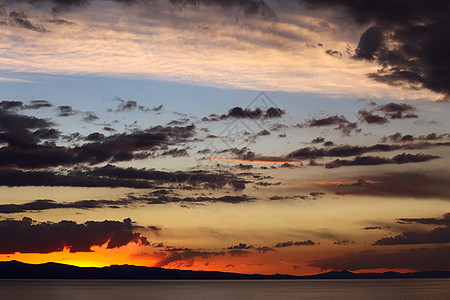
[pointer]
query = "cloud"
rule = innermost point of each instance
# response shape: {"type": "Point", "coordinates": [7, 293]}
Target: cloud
{"type": "Point", "coordinates": [403, 138]}
{"type": "Point", "coordinates": [44, 204]}
{"type": "Point", "coordinates": [132, 105]}
{"type": "Point", "coordinates": [249, 7]}
{"type": "Point", "coordinates": [435, 236]}
{"type": "Point", "coordinates": [370, 118]}
{"type": "Point", "coordinates": [403, 158]}
{"type": "Point", "coordinates": [66, 111]}
{"type": "Point", "coordinates": [198, 177]}
{"type": "Point", "coordinates": [372, 228]}
{"type": "Point", "coordinates": [14, 177]}
{"type": "Point", "coordinates": [90, 117]}
{"type": "Point", "coordinates": [415, 185]}
{"type": "Point", "coordinates": [177, 258]}
{"type": "Point", "coordinates": [445, 220]}
{"type": "Point", "coordinates": [334, 53]}
{"type": "Point", "coordinates": [391, 111]}
{"type": "Point", "coordinates": [24, 152]}
{"type": "Point", "coordinates": [247, 113]}
{"type": "Point", "coordinates": [249, 44]}
{"type": "Point", "coordinates": [343, 242]}
{"type": "Point", "coordinates": [337, 120]}
{"type": "Point", "coordinates": [27, 236]}
{"type": "Point", "coordinates": [349, 150]}
{"type": "Point", "coordinates": [38, 104]}
{"type": "Point", "coordinates": [409, 40]}
{"type": "Point", "coordinates": [20, 19]}
{"type": "Point", "coordinates": [318, 140]}
{"type": "Point", "coordinates": [164, 199]}
{"type": "Point", "coordinates": [421, 259]}
{"type": "Point", "coordinates": [240, 246]}
{"type": "Point", "coordinates": [238, 252]}
{"type": "Point", "coordinates": [10, 121]}
{"type": "Point", "coordinates": [7, 104]}
{"type": "Point", "coordinates": [291, 243]}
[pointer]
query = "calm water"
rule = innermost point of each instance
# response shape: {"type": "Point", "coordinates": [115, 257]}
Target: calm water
{"type": "Point", "coordinates": [226, 289]}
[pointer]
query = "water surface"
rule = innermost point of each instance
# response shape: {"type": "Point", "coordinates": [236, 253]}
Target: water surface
{"type": "Point", "coordinates": [348, 289]}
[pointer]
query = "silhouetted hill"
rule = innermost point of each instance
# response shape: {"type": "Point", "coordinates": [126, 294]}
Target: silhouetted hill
{"type": "Point", "coordinates": [19, 270]}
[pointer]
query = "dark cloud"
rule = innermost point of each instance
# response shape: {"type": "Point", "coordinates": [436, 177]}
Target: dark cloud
{"type": "Point", "coordinates": [370, 118]}
{"type": "Point", "coordinates": [334, 53]}
{"type": "Point", "coordinates": [348, 150]}
{"type": "Point", "coordinates": [44, 204]}
{"type": "Point", "coordinates": [247, 113]}
{"type": "Point", "coordinates": [131, 200]}
{"type": "Point", "coordinates": [38, 104]}
{"type": "Point", "coordinates": [264, 249]}
{"type": "Point", "coordinates": [274, 112]}
{"type": "Point", "coordinates": [112, 176]}
{"type": "Point", "coordinates": [178, 258]}
{"type": "Point", "coordinates": [7, 104]}
{"type": "Point", "coordinates": [435, 236]}
{"type": "Point", "coordinates": [291, 243]}
{"type": "Point", "coordinates": [90, 117]}
{"type": "Point", "coordinates": [132, 105]}
{"type": "Point", "coordinates": [340, 122]}
{"type": "Point", "coordinates": [66, 111]}
{"type": "Point", "coordinates": [369, 43]}
{"type": "Point", "coordinates": [47, 134]}
{"type": "Point", "coordinates": [315, 195]}
{"type": "Point", "coordinates": [95, 137]}
{"type": "Point", "coordinates": [318, 140]}
{"type": "Point", "coordinates": [119, 147]}
{"type": "Point", "coordinates": [421, 259]}
{"type": "Point", "coordinates": [390, 111]}
{"type": "Point", "coordinates": [413, 185]}
{"type": "Point", "coordinates": [248, 7]}
{"type": "Point", "coordinates": [343, 242]}
{"type": "Point", "coordinates": [20, 19]}
{"type": "Point", "coordinates": [403, 158]}
{"type": "Point", "coordinates": [164, 199]}
{"type": "Point", "coordinates": [240, 246]}
{"type": "Point", "coordinates": [409, 39]}
{"type": "Point", "coordinates": [372, 228]}
{"type": "Point", "coordinates": [238, 252]}
{"type": "Point", "coordinates": [445, 220]}
{"type": "Point", "coordinates": [15, 130]}
{"type": "Point", "coordinates": [34, 104]}
{"type": "Point", "coordinates": [11, 122]}
{"type": "Point", "coordinates": [400, 138]}
{"type": "Point", "coordinates": [201, 178]}
{"type": "Point", "coordinates": [175, 152]}
{"type": "Point", "coordinates": [263, 132]}
{"type": "Point", "coordinates": [27, 236]}
{"type": "Point", "coordinates": [14, 177]}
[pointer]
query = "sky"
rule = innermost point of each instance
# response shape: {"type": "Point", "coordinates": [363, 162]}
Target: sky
{"type": "Point", "coordinates": [249, 136]}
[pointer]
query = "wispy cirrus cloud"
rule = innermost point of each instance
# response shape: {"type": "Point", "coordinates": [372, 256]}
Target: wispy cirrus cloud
{"type": "Point", "coordinates": [252, 44]}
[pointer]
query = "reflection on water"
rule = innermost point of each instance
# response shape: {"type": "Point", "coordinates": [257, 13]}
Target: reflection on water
{"type": "Point", "coordinates": [226, 289]}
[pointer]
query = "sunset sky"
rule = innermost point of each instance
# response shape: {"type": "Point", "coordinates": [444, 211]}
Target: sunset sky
{"type": "Point", "coordinates": [248, 136]}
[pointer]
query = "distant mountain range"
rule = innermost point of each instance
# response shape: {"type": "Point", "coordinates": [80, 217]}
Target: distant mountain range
{"type": "Point", "coordinates": [19, 270]}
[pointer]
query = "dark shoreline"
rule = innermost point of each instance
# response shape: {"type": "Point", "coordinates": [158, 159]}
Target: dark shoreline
{"type": "Point", "coordinates": [19, 270]}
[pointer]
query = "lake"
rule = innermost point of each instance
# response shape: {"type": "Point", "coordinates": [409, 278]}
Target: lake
{"type": "Point", "coordinates": [348, 289]}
